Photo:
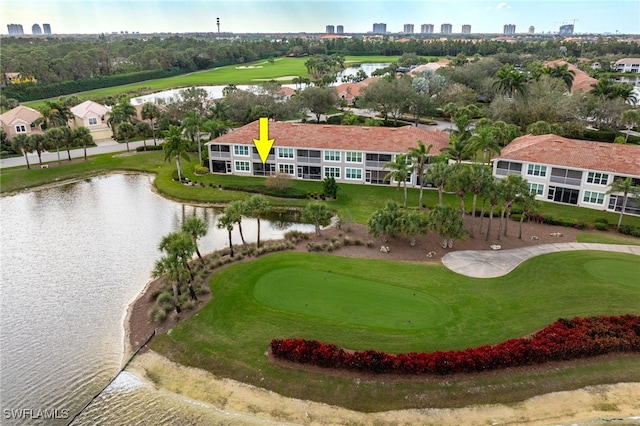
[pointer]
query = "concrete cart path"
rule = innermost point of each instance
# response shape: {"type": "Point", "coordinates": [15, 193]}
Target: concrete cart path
{"type": "Point", "coordinates": [491, 264]}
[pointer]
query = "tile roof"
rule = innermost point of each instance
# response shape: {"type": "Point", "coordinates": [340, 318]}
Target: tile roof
{"type": "Point", "coordinates": [559, 151]}
{"type": "Point", "coordinates": [628, 61]}
{"type": "Point", "coordinates": [86, 107]}
{"type": "Point", "coordinates": [581, 80]}
{"type": "Point", "coordinates": [21, 113]}
{"type": "Point", "coordinates": [326, 136]}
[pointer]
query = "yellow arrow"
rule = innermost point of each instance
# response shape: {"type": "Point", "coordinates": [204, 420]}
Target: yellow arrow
{"type": "Point", "coordinates": [264, 144]}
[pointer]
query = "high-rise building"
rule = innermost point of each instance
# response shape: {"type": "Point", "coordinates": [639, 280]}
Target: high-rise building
{"type": "Point", "coordinates": [466, 29]}
{"type": "Point", "coordinates": [36, 30]}
{"type": "Point", "coordinates": [509, 29]}
{"type": "Point", "coordinates": [379, 28]}
{"type": "Point", "coordinates": [532, 29]}
{"type": "Point", "coordinates": [426, 28]}
{"type": "Point", "coordinates": [566, 29]}
{"type": "Point", "coordinates": [408, 28]}
{"type": "Point", "coordinates": [15, 29]}
{"type": "Point", "coordinates": [330, 29]}
{"type": "Point", "coordinates": [446, 28]}
{"type": "Point", "coordinates": [340, 29]}
{"type": "Point", "coordinates": [46, 28]}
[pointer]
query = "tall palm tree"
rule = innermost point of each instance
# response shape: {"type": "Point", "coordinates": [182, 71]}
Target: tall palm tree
{"type": "Point", "coordinates": [510, 188]}
{"type": "Point", "coordinates": [22, 144]}
{"type": "Point", "coordinates": [120, 113]}
{"type": "Point", "coordinates": [562, 72]}
{"type": "Point", "coordinates": [438, 174]}
{"type": "Point", "coordinates": [54, 114]}
{"type": "Point", "coordinates": [420, 156]}
{"type": "Point", "coordinates": [493, 194]}
{"type": "Point", "coordinates": [82, 136]}
{"type": "Point", "coordinates": [169, 265]}
{"type": "Point", "coordinates": [629, 119]}
{"type": "Point", "coordinates": [175, 146]}
{"type": "Point", "coordinates": [226, 221]}
{"type": "Point", "coordinates": [447, 223]}
{"type": "Point", "coordinates": [37, 142]}
{"type": "Point", "coordinates": [627, 188]}
{"type": "Point", "coordinates": [179, 247]}
{"type": "Point", "coordinates": [400, 172]}
{"type": "Point", "coordinates": [484, 140]}
{"type": "Point", "coordinates": [317, 213]}
{"type": "Point", "coordinates": [257, 207]}
{"type": "Point", "coordinates": [479, 179]}
{"type": "Point", "coordinates": [150, 112]}
{"type": "Point", "coordinates": [460, 182]}
{"type": "Point", "coordinates": [216, 128]}
{"type": "Point", "coordinates": [55, 139]}
{"type": "Point", "coordinates": [529, 204]}
{"type": "Point", "coordinates": [196, 228]}
{"type": "Point", "coordinates": [191, 124]}
{"type": "Point", "coordinates": [126, 131]}
{"type": "Point", "coordinates": [510, 81]}
{"type": "Point", "coordinates": [236, 209]}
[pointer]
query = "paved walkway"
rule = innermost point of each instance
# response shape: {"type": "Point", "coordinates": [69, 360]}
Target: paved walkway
{"type": "Point", "coordinates": [491, 264]}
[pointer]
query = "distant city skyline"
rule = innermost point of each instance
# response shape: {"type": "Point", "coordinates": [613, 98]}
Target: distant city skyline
{"type": "Point", "coordinates": [312, 16]}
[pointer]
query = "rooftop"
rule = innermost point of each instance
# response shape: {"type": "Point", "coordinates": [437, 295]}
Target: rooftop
{"type": "Point", "coordinates": [86, 107]}
{"type": "Point", "coordinates": [21, 113]}
{"type": "Point", "coordinates": [556, 150]}
{"type": "Point", "coordinates": [581, 80]}
{"type": "Point", "coordinates": [327, 136]}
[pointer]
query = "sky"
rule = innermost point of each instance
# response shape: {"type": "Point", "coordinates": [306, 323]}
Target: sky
{"type": "Point", "coordinates": [268, 16]}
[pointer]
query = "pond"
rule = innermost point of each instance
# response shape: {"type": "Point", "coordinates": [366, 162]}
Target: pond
{"type": "Point", "coordinates": [73, 258]}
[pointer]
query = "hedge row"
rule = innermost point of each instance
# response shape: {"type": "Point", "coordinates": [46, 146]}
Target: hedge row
{"type": "Point", "coordinates": [562, 340]}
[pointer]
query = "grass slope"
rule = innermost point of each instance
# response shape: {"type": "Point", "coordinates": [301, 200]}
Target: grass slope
{"type": "Point", "coordinates": [229, 336]}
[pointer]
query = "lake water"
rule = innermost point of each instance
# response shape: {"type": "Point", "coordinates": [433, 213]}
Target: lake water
{"type": "Point", "coordinates": [73, 257]}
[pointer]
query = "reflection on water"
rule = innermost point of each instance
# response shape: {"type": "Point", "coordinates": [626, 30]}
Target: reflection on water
{"type": "Point", "coordinates": [73, 257]}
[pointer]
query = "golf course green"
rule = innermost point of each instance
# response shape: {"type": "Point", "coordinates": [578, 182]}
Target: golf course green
{"type": "Point", "coordinates": [363, 304]}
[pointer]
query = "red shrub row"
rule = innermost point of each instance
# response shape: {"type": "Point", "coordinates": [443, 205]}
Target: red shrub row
{"type": "Point", "coordinates": [562, 340]}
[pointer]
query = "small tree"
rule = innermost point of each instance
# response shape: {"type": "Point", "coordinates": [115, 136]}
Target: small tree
{"type": "Point", "coordinates": [400, 172]}
{"type": "Point", "coordinates": [279, 181]}
{"type": "Point", "coordinates": [414, 223]}
{"type": "Point", "coordinates": [627, 188]}
{"type": "Point", "coordinates": [317, 213]}
{"type": "Point", "coordinates": [21, 143]}
{"type": "Point", "coordinates": [420, 156]}
{"type": "Point", "coordinates": [257, 207]}
{"type": "Point", "coordinates": [330, 188]}
{"type": "Point", "coordinates": [226, 221]}
{"type": "Point", "coordinates": [448, 223]}
{"type": "Point", "coordinates": [386, 221]}
{"type": "Point", "coordinates": [196, 228]}
{"type": "Point", "coordinates": [126, 131]}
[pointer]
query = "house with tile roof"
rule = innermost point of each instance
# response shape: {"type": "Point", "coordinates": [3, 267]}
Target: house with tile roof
{"type": "Point", "coordinates": [572, 171]}
{"type": "Point", "coordinates": [350, 154]}
{"type": "Point", "coordinates": [93, 116]}
{"type": "Point", "coordinates": [631, 65]}
{"type": "Point", "coordinates": [20, 120]}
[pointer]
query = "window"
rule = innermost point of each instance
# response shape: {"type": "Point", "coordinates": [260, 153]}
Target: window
{"type": "Point", "coordinates": [93, 121]}
{"type": "Point", "coordinates": [286, 168]}
{"type": "Point", "coordinates": [597, 178]}
{"type": "Point", "coordinates": [355, 174]}
{"type": "Point", "coordinates": [285, 152]}
{"type": "Point", "coordinates": [242, 166]}
{"type": "Point", "coordinates": [308, 156]}
{"type": "Point", "coordinates": [21, 128]}
{"type": "Point", "coordinates": [593, 197]}
{"type": "Point", "coordinates": [536, 188]}
{"type": "Point", "coordinates": [241, 150]}
{"type": "Point", "coordinates": [332, 172]}
{"type": "Point", "coordinates": [219, 148]}
{"type": "Point", "coordinates": [332, 156]}
{"type": "Point", "coordinates": [563, 195]}
{"type": "Point", "coordinates": [566, 176]}
{"type": "Point", "coordinates": [353, 157]}
{"type": "Point", "coordinates": [507, 167]}
{"type": "Point", "coordinates": [536, 170]}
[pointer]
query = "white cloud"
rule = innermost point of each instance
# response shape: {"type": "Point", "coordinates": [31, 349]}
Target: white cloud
{"type": "Point", "coordinates": [502, 5]}
{"type": "Point", "coordinates": [489, 8]}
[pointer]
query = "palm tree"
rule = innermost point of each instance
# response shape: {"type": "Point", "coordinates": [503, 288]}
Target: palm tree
{"type": "Point", "coordinates": [627, 188]}
{"type": "Point", "coordinates": [227, 221]}
{"type": "Point", "coordinates": [150, 112]}
{"type": "Point", "coordinates": [529, 204]}
{"type": "Point", "coordinates": [400, 172]}
{"type": "Point", "coordinates": [479, 179]}
{"type": "Point", "coordinates": [386, 221]}
{"type": "Point", "coordinates": [420, 155]}
{"type": "Point", "coordinates": [510, 81]}
{"type": "Point", "coordinates": [484, 141]}
{"type": "Point", "coordinates": [317, 213]}
{"type": "Point", "coordinates": [215, 128]}
{"type": "Point", "coordinates": [438, 174]}
{"type": "Point", "coordinates": [126, 131]}
{"type": "Point", "coordinates": [37, 143]}
{"type": "Point", "coordinates": [413, 223]}
{"type": "Point", "coordinates": [55, 139]}
{"type": "Point", "coordinates": [196, 228]}
{"type": "Point", "coordinates": [21, 143]}
{"type": "Point", "coordinates": [630, 118]}
{"type": "Point", "coordinates": [175, 146]}
{"type": "Point", "coordinates": [493, 194]}
{"type": "Point", "coordinates": [170, 266]}
{"type": "Point", "coordinates": [448, 224]}
{"type": "Point", "coordinates": [510, 188]}
{"type": "Point", "coordinates": [457, 148]}
{"type": "Point", "coordinates": [82, 135]}
{"type": "Point", "coordinates": [191, 124]}
{"type": "Point", "coordinates": [179, 247]}
{"type": "Point", "coordinates": [562, 72]}
{"type": "Point", "coordinates": [460, 182]}
{"type": "Point", "coordinates": [120, 113]}
{"type": "Point", "coordinates": [236, 209]}
{"type": "Point", "coordinates": [54, 114]}
{"type": "Point", "coordinates": [257, 207]}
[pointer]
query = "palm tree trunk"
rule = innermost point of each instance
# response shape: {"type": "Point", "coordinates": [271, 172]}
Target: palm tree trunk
{"type": "Point", "coordinates": [490, 222]}
{"type": "Point", "coordinates": [230, 244]}
{"type": "Point", "coordinates": [126, 140]}
{"type": "Point", "coordinates": [461, 196]}
{"type": "Point", "coordinates": [199, 147]}
{"type": "Point", "coordinates": [506, 220]}
{"type": "Point", "coordinates": [176, 302]}
{"type": "Point", "coordinates": [84, 144]}
{"type": "Point", "coordinates": [179, 169]}
{"type": "Point", "coordinates": [484, 200]}
{"type": "Point", "coordinates": [26, 157]}
{"type": "Point", "coordinates": [624, 206]}
{"type": "Point", "coordinates": [39, 157]}
{"type": "Point", "coordinates": [420, 197]}
{"type": "Point", "coordinates": [473, 214]}
{"type": "Point", "coordinates": [405, 194]}
{"type": "Point", "coordinates": [440, 189]}
{"type": "Point", "coordinates": [501, 222]}
{"type": "Point", "coordinates": [197, 249]}
{"type": "Point", "coordinates": [241, 234]}
{"type": "Point", "coordinates": [68, 153]}
{"type": "Point", "coordinates": [192, 291]}
{"type": "Point", "coordinates": [520, 231]}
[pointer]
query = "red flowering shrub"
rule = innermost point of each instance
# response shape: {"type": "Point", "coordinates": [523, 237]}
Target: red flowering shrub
{"type": "Point", "coordinates": [562, 340]}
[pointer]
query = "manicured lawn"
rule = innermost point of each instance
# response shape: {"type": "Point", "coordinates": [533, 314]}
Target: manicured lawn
{"type": "Point", "coordinates": [367, 304]}
{"type": "Point", "coordinates": [608, 239]}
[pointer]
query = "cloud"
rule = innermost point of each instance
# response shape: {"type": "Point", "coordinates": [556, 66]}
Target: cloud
{"type": "Point", "coordinates": [489, 8]}
{"type": "Point", "coordinates": [502, 5]}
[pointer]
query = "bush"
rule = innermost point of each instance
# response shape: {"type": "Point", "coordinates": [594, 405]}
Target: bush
{"type": "Point", "coordinates": [278, 181]}
{"type": "Point", "coordinates": [258, 189]}
{"type": "Point", "coordinates": [200, 170]}
{"type": "Point", "coordinates": [634, 231]}
{"type": "Point", "coordinates": [149, 148]}
{"type": "Point", "coordinates": [601, 226]}
{"type": "Point", "coordinates": [602, 220]}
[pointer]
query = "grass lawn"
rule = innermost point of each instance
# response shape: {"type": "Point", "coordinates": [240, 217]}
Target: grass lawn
{"type": "Point", "coordinates": [402, 307]}
{"type": "Point", "coordinates": [608, 239]}
{"type": "Point", "coordinates": [249, 73]}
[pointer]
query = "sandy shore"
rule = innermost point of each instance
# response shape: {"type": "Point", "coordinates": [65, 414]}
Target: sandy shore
{"type": "Point", "coordinates": [593, 405]}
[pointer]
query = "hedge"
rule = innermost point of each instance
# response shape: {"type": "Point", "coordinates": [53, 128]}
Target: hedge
{"type": "Point", "coordinates": [563, 340]}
